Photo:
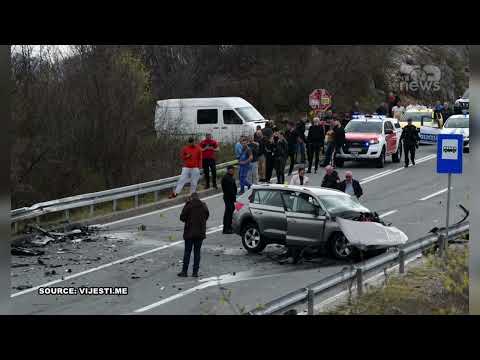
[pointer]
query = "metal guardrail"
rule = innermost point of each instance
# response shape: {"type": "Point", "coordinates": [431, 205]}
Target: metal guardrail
{"type": "Point", "coordinates": [306, 294]}
{"type": "Point", "coordinates": [92, 199]}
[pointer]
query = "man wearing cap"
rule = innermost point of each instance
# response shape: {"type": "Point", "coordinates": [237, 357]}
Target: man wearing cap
{"type": "Point", "coordinates": [350, 186]}
{"type": "Point", "coordinates": [192, 161]}
{"type": "Point", "coordinates": [209, 148]}
{"type": "Point", "coordinates": [229, 188]}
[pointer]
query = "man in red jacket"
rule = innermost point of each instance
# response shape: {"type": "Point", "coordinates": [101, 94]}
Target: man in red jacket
{"type": "Point", "coordinates": [209, 148]}
{"type": "Point", "coordinates": [192, 162]}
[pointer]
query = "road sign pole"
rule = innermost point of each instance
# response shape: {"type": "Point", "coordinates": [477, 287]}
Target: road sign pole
{"type": "Point", "coordinates": [448, 209]}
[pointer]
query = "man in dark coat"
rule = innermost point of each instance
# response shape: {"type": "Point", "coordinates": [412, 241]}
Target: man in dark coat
{"type": "Point", "coordinates": [339, 138]}
{"type": "Point", "coordinates": [195, 215]}
{"type": "Point", "coordinates": [331, 179]}
{"type": "Point", "coordinates": [350, 186]}
{"type": "Point", "coordinates": [410, 139]}
{"type": "Point", "coordinates": [291, 135]}
{"type": "Point", "coordinates": [315, 140]}
{"type": "Point", "coordinates": [229, 188]}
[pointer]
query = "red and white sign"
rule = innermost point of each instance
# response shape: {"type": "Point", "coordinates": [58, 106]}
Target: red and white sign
{"type": "Point", "coordinates": [320, 100]}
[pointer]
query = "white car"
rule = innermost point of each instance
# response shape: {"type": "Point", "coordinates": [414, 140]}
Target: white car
{"type": "Point", "coordinates": [459, 124]}
{"type": "Point", "coordinates": [372, 138]}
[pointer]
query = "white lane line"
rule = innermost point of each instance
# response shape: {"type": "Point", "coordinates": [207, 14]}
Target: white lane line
{"type": "Point", "coordinates": [154, 212]}
{"type": "Point", "coordinates": [435, 194]}
{"type": "Point", "coordinates": [219, 280]}
{"type": "Point", "coordinates": [210, 231]}
{"type": "Point", "coordinates": [388, 213]}
{"type": "Point", "coordinates": [390, 172]}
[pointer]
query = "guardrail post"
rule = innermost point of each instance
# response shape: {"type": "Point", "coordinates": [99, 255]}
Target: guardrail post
{"type": "Point", "coordinates": [136, 200]}
{"type": "Point", "coordinates": [37, 220]}
{"type": "Point", "coordinates": [156, 196]}
{"type": "Point", "coordinates": [67, 214]}
{"type": "Point", "coordinates": [15, 227]}
{"type": "Point", "coordinates": [114, 207]}
{"type": "Point", "coordinates": [310, 296]}
{"type": "Point", "coordinates": [92, 210]}
{"type": "Point", "coordinates": [401, 264]}
{"type": "Point", "coordinates": [359, 282]}
{"type": "Point", "coordinates": [441, 244]}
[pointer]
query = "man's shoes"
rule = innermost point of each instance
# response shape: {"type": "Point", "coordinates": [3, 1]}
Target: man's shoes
{"type": "Point", "coordinates": [413, 163]}
{"type": "Point", "coordinates": [182, 274]}
{"type": "Point", "coordinates": [309, 171]}
{"type": "Point", "coordinates": [215, 187]}
{"type": "Point", "coordinates": [228, 232]}
{"type": "Point", "coordinates": [207, 187]}
{"type": "Point", "coordinates": [406, 166]}
{"type": "Point", "coordinates": [195, 274]}
{"type": "Point", "coordinates": [316, 171]}
{"type": "Point", "coordinates": [172, 195]}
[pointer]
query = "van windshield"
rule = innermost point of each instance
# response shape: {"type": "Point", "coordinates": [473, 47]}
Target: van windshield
{"type": "Point", "coordinates": [249, 114]}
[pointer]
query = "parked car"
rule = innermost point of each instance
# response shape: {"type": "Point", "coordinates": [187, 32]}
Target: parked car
{"type": "Point", "coordinates": [372, 138]}
{"type": "Point", "coordinates": [226, 118]}
{"type": "Point", "coordinates": [298, 216]}
{"type": "Point", "coordinates": [459, 124]}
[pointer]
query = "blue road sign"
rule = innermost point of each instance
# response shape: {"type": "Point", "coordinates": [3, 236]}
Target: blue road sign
{"type": "Point", "coordinates": [449, 154]}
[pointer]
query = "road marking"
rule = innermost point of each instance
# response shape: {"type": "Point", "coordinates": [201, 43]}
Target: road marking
{"type": "Point", "coordinates": [219, 280]}
{"type": "Point", "coordinates": [390, 172]}
{"type": "Point", "coordinates": [435, 194]}
{"type": "Point", "coordinates": [210, 231]}
{"type": "Point", "coordinates": [388, 213]}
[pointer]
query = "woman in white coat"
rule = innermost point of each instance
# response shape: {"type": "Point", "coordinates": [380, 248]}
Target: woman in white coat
{"type": "Point", "coordinates": [300, 178]}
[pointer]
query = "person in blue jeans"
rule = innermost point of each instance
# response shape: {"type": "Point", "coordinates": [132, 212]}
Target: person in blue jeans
{"type": "Point", "coordinates": [244, 162]}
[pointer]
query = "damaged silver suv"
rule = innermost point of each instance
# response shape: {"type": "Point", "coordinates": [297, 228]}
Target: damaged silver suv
{"type": "Point", "coordinates": [299, 217]}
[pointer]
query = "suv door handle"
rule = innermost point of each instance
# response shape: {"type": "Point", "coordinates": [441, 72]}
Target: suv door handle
{"type": "Point", "coordinates": [258, 212]}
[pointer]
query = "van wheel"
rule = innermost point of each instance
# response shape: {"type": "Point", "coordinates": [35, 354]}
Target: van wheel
{"type": "Point", "coordinates": [381, 159]}
{"type": "Point", "coordinates": [340, 248]}
{"type": "Point", "coordinates": [397, 155]}
{"type": "Point", "coordinates": [252, 241]}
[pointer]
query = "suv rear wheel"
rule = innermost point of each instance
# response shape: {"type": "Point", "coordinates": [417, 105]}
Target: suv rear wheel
{"type": "Point", "coordinates": [252, 241]}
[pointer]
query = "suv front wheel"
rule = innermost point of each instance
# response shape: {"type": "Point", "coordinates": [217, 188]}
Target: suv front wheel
{"type": "Point", "coordinates": [252, 241]}
{"type": "Point", "coordinates": [340, 248]}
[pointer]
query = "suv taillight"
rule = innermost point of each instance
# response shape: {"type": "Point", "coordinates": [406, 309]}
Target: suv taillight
{"type": "Point", "coordinates": [239, 206]}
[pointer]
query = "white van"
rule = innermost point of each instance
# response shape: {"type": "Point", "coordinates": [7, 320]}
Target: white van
{"type": "Point", "coordinates": [226, 118]}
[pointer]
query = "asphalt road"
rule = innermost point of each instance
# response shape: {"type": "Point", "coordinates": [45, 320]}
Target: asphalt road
{"type": "Point", "coordinates": [232, 281]}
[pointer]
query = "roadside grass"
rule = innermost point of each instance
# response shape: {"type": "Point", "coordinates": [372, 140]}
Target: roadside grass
{"type": "Point", "coordinates": [437, 287]}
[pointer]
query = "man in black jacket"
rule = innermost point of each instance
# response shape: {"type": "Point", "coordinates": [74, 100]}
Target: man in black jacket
{"type": "Point", "coordinates": [350, 186]}
{"type": "Point", "coordinates": [280, 156]}
{"type": "Point", "coordinates": [339, 139]}
{"type": "Point", "coordinates": [331, 179]}
{"type": "Point", "coordinates": [301, 140]}
{"type": "Point", "coordinates": [195, 215]}
{"type": "Point", "coordinates": [229, 188]}
{"type": "Point", "coordinates": [410, 139]}
{"type": "Point", "coordinates": [315, 141]}
{"type": "Point", "coordinates": [291, 136]}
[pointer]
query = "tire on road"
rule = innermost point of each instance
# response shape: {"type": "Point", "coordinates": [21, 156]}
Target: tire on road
{"type": "Point", "coordinates": [397, 156]}
{"type": "Point", "coordinates": [381, 160]}
{"type": "Point", "coordinates": [339, 248]}
{"type": "Point", "coordinates": [252, 240]}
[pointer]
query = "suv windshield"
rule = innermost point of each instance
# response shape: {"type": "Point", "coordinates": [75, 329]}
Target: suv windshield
{"type": "Point", "coordinates": [457, 123]}
{"type": "Point", "coordinates": [249, 114]}
{"type": "Point", "coordinates": [364, 127]}
{"type": "Point", "coordinates": [339, 204]}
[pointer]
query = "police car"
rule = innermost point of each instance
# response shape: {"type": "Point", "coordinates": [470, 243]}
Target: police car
{"type": "Point", "coordinates": [459, 124]}
{"type": "Point", "coordinates": [462, 105]}
{"type": "Point", "coordinates": [371, 138]}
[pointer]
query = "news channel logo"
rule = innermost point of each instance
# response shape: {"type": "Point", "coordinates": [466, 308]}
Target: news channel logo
{"type": "Point", "coordinates": [416, 78]}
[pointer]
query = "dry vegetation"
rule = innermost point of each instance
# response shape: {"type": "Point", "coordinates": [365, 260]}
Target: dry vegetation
{"type": "Point", "coordinates": [438, 287]}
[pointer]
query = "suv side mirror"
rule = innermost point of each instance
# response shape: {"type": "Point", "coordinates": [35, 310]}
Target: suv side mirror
{"type": "Point", "coordinates": [388, 132]}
